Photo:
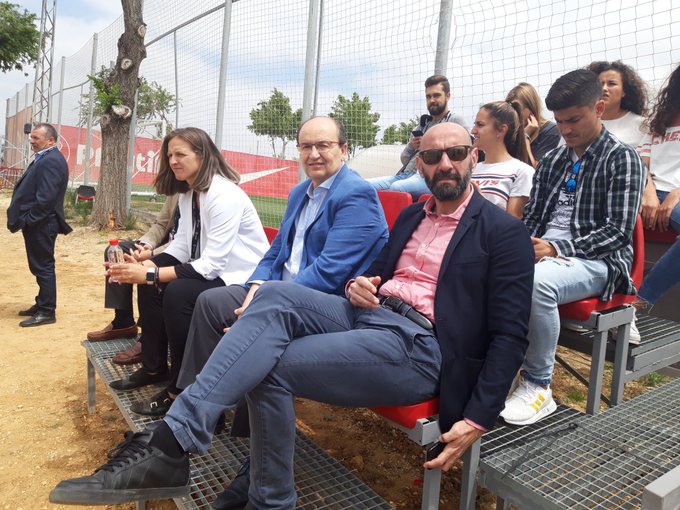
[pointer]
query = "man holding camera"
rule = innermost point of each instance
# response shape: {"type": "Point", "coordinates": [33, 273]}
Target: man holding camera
{"type": "Point", "coordinates": [437, 95]}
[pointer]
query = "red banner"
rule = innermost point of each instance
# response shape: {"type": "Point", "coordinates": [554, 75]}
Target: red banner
{"type": "Point", "coordinates": [260, 175]}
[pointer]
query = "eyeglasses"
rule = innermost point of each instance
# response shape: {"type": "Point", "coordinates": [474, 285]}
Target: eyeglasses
{"type": "Point", "coordinates": [570, 185]}
{"type": "Point", "coordinates": [321, 147]}
{"type": "Point", "coordinates": [434, 156]}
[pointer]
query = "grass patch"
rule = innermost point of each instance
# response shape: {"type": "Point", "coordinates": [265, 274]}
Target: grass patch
{"type": "Point", "coordinates": [130, 222]}
{"type": "Point", "coordinates": [576, 396]}
{"type": "Point", "coordinates": [270, 209]}
{"type": "Point", "coordinates": [78, 213]}
{"type": "Point", "coordinates": [652, 380]}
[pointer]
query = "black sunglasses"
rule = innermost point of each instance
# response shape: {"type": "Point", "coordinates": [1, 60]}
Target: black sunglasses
{"type": "Point", "coordinates": [570, 185]}
{"type": "Point", "coordinates": [434, 156]}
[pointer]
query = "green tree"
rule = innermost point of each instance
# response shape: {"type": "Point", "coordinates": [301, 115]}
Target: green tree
{"type": "Point", "coordinates": [153, 101]}
{"type": "Point", "coordinates": [360, 124]}
{"type": "Point", "coordinates": [19, 38]}
{"type": "Point", "coordinates": [275, 119]}
{"type": "Point", "coordinates": [400, 133]}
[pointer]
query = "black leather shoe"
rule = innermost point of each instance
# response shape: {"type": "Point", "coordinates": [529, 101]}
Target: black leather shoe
{"type": "Point", "coordinates": [139, 378]}
{"type": "Point", "coordinates": [235, 497]}
{"type": "Point", "coordinates": [38, 319]}
{"type": "Point", "coordinates": [136, 471]}
{"type": "Point", "coordinates": [157, 405]}
{"type": "Point", "coordinates": [29, 311]}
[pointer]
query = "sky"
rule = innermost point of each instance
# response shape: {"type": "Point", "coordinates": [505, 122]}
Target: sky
{"type": "Point", "coordinates": [380, 49]}
{"type": "Point", "coordinates": [76, 22]}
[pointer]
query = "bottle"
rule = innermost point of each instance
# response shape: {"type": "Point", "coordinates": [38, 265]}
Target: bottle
{"type": "Point", "coordinates": [115, 253]}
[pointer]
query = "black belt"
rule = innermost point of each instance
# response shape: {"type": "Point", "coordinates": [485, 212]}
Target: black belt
{"type": "Point", "coordinates": [406, 310]}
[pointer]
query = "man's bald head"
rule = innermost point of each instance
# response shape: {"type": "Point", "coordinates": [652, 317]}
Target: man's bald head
{"type": "Point", "coordinates": [447, 130]}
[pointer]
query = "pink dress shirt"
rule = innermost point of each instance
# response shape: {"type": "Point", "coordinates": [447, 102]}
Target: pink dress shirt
{"type": "Point", "coordinates": [415, 277]}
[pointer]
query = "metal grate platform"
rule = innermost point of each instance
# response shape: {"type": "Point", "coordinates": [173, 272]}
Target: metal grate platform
{"type": "Point", "coordinates": [601, 461]}
{"type": "Point", "coordinates": [320, 480]}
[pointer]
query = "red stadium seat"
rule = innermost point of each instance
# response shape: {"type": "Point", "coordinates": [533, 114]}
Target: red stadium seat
{"type": "Point", "coordinates": [599, 317]}
{"type": "Point", "coordinates": [271, 232]}
{"type": "Point", "coordinates": [392, 203]}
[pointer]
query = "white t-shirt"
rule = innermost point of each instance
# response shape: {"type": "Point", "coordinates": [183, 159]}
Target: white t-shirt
{"type": "Point", "coordinates": [664, 157]}
{"type": "Point", "coordinates": [500, 181]}
{"type": "Point", "coordinates": [559, 225]}
{"type": "Point", "coordinates": [628, 128]}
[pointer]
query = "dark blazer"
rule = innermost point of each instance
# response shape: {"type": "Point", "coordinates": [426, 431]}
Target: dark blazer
{"type": "Point", "coordinates": [345, 237]}
{"type": "Point", "coordinates": [39, 193]}
{"type": "Point", "coordinates": [482, 305]}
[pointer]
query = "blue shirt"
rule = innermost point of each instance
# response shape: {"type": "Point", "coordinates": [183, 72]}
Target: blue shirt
{"type": "Point", "coordinates": [315, 198]}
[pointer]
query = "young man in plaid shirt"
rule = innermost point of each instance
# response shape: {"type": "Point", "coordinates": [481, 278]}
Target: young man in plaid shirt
{"type": "Point", "coordinates": [581, 216]}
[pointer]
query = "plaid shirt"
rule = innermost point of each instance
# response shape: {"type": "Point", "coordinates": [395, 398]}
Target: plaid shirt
{"type": "Point", "coordinates": [608, 194]}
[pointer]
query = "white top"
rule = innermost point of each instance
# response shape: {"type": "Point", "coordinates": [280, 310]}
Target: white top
{"type": "Point", "coordinates": [500, 181]}
{"type": "Point", "coordinates": [559, 225]}
{"type": "Point", "coordinates": [664, 158]}
{"type": "Point", "coordinates": [232, 238]}
{"type": "Point", "coordinates": [628, 128]}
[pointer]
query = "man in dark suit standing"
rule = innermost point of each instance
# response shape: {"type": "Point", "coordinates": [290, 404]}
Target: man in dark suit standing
{"type": "Point", "coordinates": [443, 309]}
{"type": "Point", "coordinates": [37, 209]}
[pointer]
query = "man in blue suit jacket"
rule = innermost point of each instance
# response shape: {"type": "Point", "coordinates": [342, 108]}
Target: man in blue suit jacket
{"type": "Point", "coordinates": [37, 209]}
{"type": "Point", "coordinates": [445, 311]}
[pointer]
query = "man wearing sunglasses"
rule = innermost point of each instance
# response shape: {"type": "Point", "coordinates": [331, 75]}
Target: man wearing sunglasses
{"type": "Point", "coordinates": [442, 310]}
{"type": "Point", "coordinates": [437, 96]}
{"type": "Point", "coordinates": [581, 215]}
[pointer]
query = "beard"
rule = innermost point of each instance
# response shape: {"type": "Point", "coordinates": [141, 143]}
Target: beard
{"type": "Point", "coordinates": [436, 109]}
{"type": "Point", "coordinates": [447, 192]}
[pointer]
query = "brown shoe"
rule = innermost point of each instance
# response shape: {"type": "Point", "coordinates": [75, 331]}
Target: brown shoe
{"type": "Point", "coordinates": [131, 356]}
{"type": "Point", "coordinates": [108, 333]}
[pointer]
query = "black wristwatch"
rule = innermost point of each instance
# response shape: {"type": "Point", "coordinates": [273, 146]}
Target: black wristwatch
{"type": "Point", "coordinates": [150, 275]}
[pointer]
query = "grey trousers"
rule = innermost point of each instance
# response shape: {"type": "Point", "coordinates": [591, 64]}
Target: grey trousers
{"type": "Point", "coordinates": [294, 341]}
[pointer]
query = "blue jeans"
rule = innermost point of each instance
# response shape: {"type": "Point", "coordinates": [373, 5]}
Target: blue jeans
{"type": "Point", "coordinates": [666, 272]}
{"type": "Point", "coordinates": [556, 281]}
{"type": "Point", "coordinates": [296, 341]}
{"type": "Point", "coordinates": [411, 183]}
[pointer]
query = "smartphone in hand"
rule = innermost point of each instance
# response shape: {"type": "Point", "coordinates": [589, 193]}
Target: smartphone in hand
{"type": "Point", "coordinates": [434, 450]}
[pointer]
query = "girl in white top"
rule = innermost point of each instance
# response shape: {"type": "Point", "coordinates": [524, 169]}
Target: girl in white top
{"type": "Point", "coordinates": [625, 100]}
{"type": "Point", "coordinates": [504, 177]}
{"type": "Point", "coordinates": [661, 201]}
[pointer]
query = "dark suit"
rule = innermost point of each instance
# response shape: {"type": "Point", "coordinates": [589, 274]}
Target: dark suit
{"type": "Point", "coordinates": [482, 306]}
{"type": "Point", "coordinates": [37, 209]}
{"type": "Point", "coordinates": [295, 341]}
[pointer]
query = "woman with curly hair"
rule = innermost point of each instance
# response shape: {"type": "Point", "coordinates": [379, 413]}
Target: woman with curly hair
{"type": "Point", "coordinates": [661, 200]}
{"type": "Point", "coordinates": [625, 100]}
{"type": "Point", "coordinates": [541, 135]}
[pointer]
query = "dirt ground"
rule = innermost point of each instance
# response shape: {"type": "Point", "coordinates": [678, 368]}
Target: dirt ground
{"type": "Point", "coordinates": [47, 435]}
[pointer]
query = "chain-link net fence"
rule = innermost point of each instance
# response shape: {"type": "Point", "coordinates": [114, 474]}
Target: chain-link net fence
{"type": "Point", "coordinates": [367, 66]}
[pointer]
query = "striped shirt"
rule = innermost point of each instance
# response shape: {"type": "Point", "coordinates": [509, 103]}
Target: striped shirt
{"type": "Point", "coordinates": [608, 195]}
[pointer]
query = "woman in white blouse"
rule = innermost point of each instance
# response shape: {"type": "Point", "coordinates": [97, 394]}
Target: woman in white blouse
{"type": "Point", "coordinates": [219, 241]}
{"type": "Point", "coordinates": [504, 177]}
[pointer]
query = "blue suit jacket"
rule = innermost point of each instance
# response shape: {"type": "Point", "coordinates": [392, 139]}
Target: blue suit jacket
{"type": "Point", "coordinates": [39, 193]}
{"type": "Point", "coordinates": [347, 234]}
{"type": "Point", "coordinates": [482, 305]}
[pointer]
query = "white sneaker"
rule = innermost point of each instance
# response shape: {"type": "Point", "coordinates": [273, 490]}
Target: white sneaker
{"type": "Point", "coordinates": [528, 404]}
{"type": "Point", "coordinates": [633, 337]}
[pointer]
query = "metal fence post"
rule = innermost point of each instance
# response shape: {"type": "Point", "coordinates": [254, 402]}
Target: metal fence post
{"type": "Point", "coordinates": [90, 111]}
{"type": "Point", "coordinates": [313, 26]}
{"type": "Point", "coordinates": [443, 37]}
{"type": "Point", "coordinates": [61, 94]}
{"type": "Point", "coordinates": [221, 91]}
